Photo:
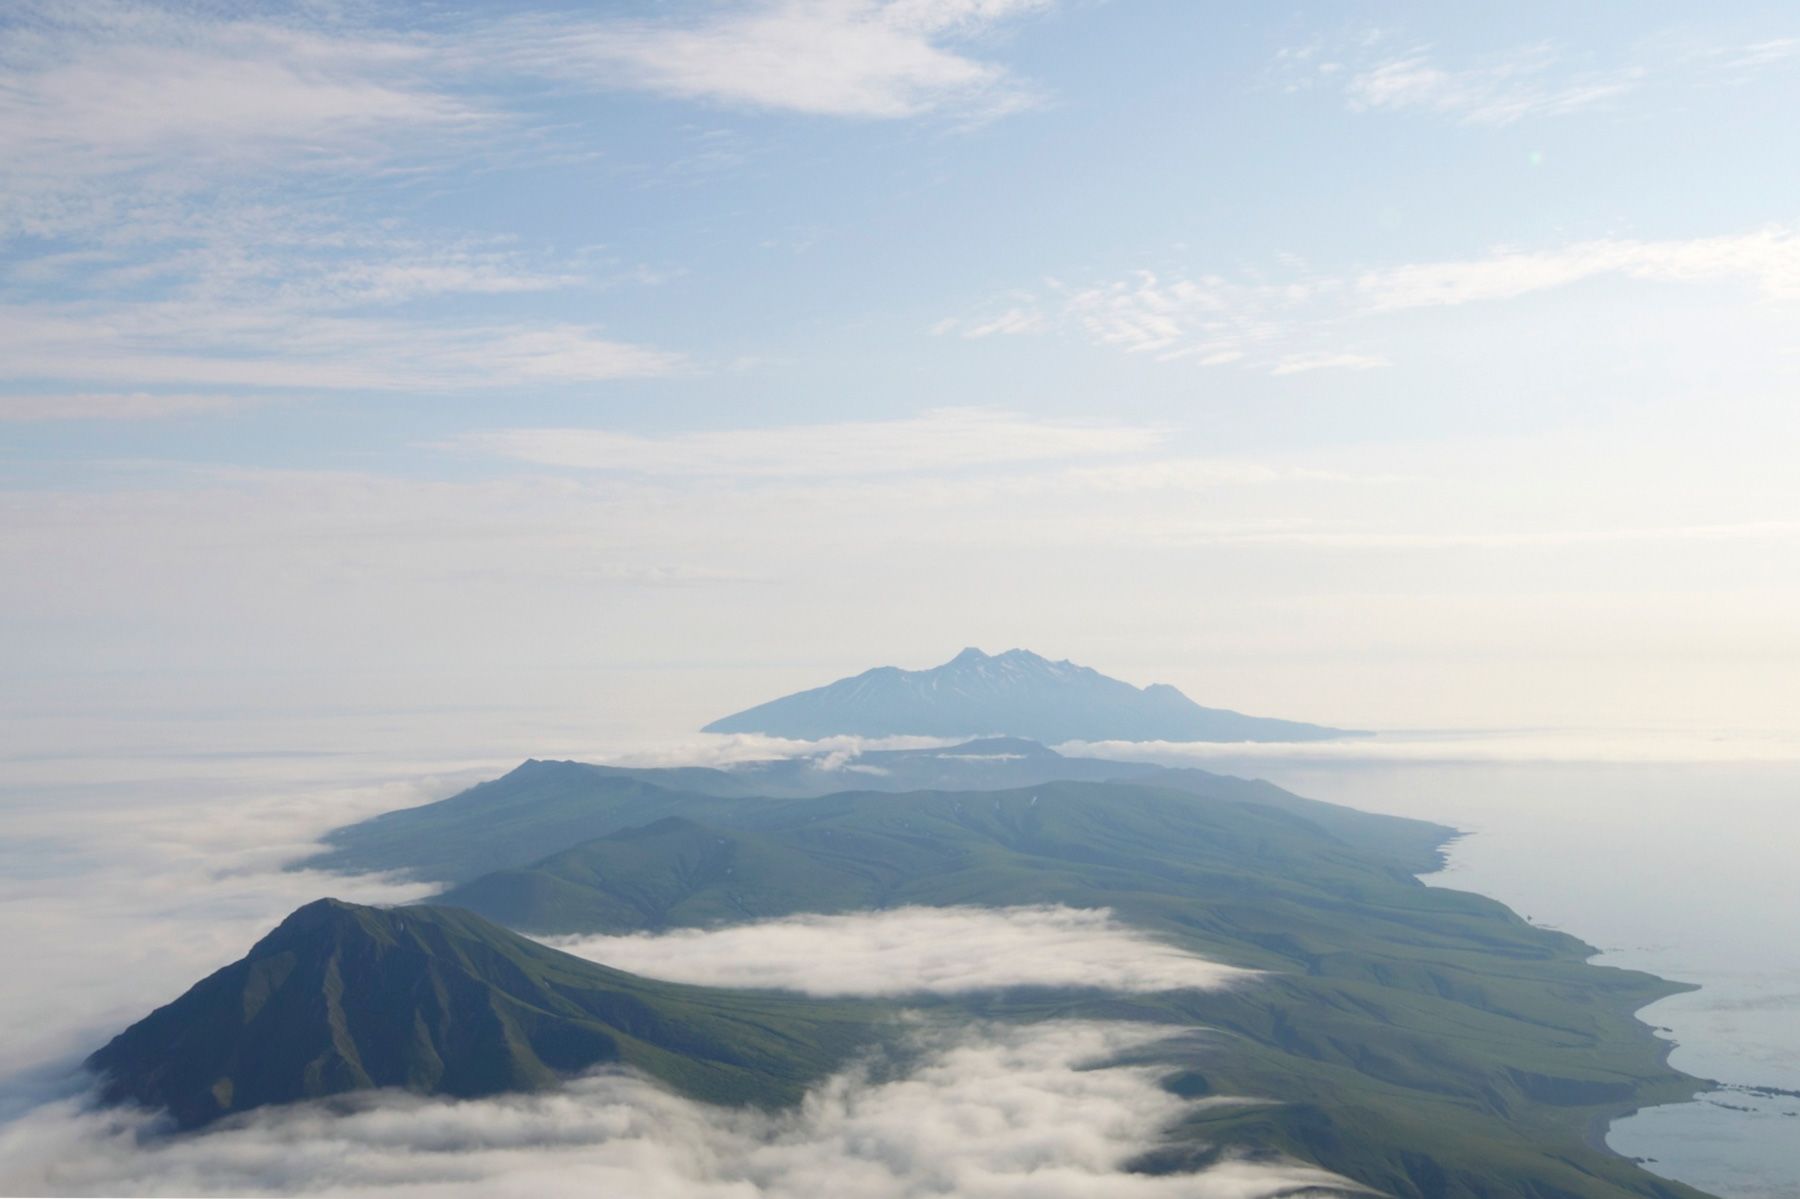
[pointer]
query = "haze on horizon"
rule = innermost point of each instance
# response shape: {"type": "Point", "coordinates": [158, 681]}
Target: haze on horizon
{"type": "Point", "coordinates": [1382, 368]}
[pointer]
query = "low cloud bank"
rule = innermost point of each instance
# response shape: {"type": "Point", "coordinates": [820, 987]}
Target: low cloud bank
{"type": "Point", "coordinates": [914, 950]}
{"type": "Point", "coordinates": [121, 896]}
{"type": "Point", "coordinates": [987, 1113]}
{"type": "Point", "coordinates": [1469, 747]}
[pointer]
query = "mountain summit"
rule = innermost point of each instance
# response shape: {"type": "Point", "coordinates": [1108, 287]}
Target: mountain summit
{"type": "Point", "coordinates": [342, 997]}
{"type": "Point", "coordinates": [1014, 694]}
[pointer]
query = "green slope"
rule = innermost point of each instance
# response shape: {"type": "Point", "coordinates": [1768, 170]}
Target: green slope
{"type": "Point", "coordinates": [669, 873]}
{"type": "Point", "coordinates": [1425, 1041]}
{"type": "Point", "coordinates": [541, 808]}
{"type": "Point", "coordinates": [439, 1001]}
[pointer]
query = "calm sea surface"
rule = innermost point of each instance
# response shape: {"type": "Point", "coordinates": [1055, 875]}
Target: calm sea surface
{"type": "Point", "coordinates": [1685, 870]}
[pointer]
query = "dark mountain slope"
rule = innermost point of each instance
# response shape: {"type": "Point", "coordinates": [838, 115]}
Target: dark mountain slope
{"type": "Point", "coordinates": [438, 1001]}
{"type": "Point", "coordinates": [1016, 693]}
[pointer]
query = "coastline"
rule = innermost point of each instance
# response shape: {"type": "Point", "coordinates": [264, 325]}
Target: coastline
{"type": "Point", "coordinates": [1674, 1086]}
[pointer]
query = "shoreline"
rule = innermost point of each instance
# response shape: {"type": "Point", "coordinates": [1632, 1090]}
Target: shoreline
{"type": "Point", "coordinates": [1598, 1125]}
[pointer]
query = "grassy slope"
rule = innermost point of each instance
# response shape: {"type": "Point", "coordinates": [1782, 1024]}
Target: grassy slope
{"type": "Point", "coordinates": [543, 807]}
{"type": "Point", "coordinates": [1425, 1041]}
{"type": "Point", "coordinates": [439, 1001]}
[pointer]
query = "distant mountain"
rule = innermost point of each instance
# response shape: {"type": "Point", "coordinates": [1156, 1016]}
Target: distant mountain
{"type": "Point", "coordinates": [1017, 694]}
{"type": "Point", "coordinates": [341, 997]}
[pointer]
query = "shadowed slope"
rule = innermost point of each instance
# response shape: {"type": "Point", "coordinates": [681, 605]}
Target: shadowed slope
{"type": "Point", "coordinates": [341, 997]}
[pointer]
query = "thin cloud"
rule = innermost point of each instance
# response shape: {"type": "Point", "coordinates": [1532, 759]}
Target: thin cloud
{"type": "Point", "coordinates": [1633, 746]}
{"type": "Point", "coordinates": [879, 59]}
{"type": "Point", "coordinates": [985, 1113]}
{"type": "Point", "coordinates": [258, 341]}
{"type": "Point", "coordinates": [1767, 258]}
{"type": "Point", "coordinates": [914, 951]}
{"type": "Point", "coordinates": [138, 405]}
{"type": "Point", "coordinates": [1284, 325]}
{"type": "Point", "coordinates": [939, 439]}
{"type": "Point", "coordinates": [1530, 83]}
{"type": "Point", "coordinates": [1300, 364]}
{"type": "Point", "coordinates": [1370, 73]}
{"type": "Point", "coordinates": [192, 157]}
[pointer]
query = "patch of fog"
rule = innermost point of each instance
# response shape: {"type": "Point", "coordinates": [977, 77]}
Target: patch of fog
{"type": "Point", "coordinates": [914, 950]}
{"type": "Point", "coordinates": [1474, 746]}
{"type": "Point", "coordinates": [120, 897]}
{"type": "Point", "coordinates": [986, 1113]}
{"type": "Point", "coordinates": [725, 750]}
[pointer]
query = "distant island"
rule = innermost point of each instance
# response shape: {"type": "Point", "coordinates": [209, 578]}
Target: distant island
{"type": "Point", "coordinates": [1014, 694]}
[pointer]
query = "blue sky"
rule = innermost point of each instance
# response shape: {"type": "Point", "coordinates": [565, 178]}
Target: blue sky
{"type": "Point", "coordinates": [1393, 365]}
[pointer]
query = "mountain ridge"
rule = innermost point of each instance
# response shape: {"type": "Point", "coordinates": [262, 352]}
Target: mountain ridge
{"type": "Point", "coordinates": [343, 997]}
{"type": "Point", "coordinates": [1016, 693]}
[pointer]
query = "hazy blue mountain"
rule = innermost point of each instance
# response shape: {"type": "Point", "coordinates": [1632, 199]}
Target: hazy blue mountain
{"type": "Point", "coordinates": [342, 997]}
{"type": "Point", "coordinates": [542, 807]}
{"type": "Point", "coordinates": [1016, 694]}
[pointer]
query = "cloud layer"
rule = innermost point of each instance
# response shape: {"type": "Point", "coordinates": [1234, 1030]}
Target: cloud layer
{"type": "Point", "coordinates": [987, 1113]}
{"type": "Point", "coordinates": [915, 950]}
{"type": "Point", "coordinates": [937, 439]}
{"type": "Point", "coordinates": [1375, 72]}
{"type": "Point", "coordinates": [843, 58]}
{"type": "Point", "coordinates": [179, 216]}
{"type": "Point", "coordinates": [1298, 320]}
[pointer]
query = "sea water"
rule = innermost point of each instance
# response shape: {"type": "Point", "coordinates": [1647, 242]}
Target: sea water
{"type": "Point", "coordinates": [1686, 870]}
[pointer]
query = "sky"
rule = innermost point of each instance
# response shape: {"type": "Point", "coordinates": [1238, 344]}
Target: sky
{"type": "Point", "coordinates": [1400, 366]}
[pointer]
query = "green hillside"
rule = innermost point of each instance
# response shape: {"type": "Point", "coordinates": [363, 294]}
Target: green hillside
{"type": "Point", "coordinates": [541, 807]}
{"type": "Point", "coordinates": [439, 1001]}
{"type": "Point", "coordinates": [1425, 1041]}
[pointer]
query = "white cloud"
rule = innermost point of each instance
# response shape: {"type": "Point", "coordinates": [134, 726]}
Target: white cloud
{"type": "Point", "coordinates": [1304, 322]}
{"type": "Point", "coordinates": [1300, 364]}
{"type": "Point", "coordinates": [849, 58]}
{"type": "Point", "coordinates": [1767, 258]}
{"type": "Point", "coordinates": [194, 160]}
{"type": "Point", "coordinates": [989, 1113]}
{"type": "Point", "coordinates": [1529, 83]}
{"type": "Point", "coordinates": [939, 439]}
{"type": "Point", "coordinates": [914, 950]}
{"type": "Point", "coordinates": [1373, 72]}
{"type": "Point", "coordinates": [125, 892]}
{"type": "Point", "coordinates": [125, 881]}
{"type": "Point", "coordinates": [181, 151]}
{"type": "Point", "coordinates": [1631, 746]}
{"type": "Point", "coordinates": [110, 106]}
{"type": "Point", "coordinates": [257, 340]}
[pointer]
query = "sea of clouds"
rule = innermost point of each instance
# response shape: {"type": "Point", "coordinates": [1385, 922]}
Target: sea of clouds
{"type": "Point", "coordinates": [123, 884]}
{"type": "Point", "coordinates": [914, 950]}
{"type": "Point", "coordinates": [991, 1112]}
